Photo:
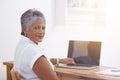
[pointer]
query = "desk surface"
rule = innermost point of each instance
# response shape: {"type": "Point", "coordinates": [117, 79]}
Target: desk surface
{"type": "Point", "coordinates": [86, 73]}
{"type": "Point", "coordinates": [76, 73]}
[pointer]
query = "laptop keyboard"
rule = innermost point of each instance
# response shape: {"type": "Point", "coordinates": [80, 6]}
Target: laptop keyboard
{"type": "Point", "coordinates": [77, 66]}
{"type": "Point", "coordinates": [86, 65]}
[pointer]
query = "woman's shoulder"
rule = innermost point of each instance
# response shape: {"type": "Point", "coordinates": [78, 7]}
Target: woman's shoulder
{"type": "Point", "coordinates": [30, 48]}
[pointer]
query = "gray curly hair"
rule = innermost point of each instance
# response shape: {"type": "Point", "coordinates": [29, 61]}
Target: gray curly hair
{"type": "Point", "coordinates": [30, 16]}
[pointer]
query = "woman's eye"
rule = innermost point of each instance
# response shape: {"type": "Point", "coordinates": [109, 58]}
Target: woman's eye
{"type": "Point", "coordinates": [43, 28]}
{"type": "Point", "coordinates": [37, 27]}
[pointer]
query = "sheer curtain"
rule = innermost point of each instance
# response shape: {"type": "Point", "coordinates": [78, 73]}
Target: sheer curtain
{"type": "Point", "coordinates": [82, 13]}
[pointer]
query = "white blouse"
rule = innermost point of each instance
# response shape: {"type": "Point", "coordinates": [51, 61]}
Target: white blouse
{"type": "Point", "coordinates": [26, 53]}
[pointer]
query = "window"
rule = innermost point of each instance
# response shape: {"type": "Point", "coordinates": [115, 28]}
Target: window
{"type": "Point", "coordinates": [85, 13]}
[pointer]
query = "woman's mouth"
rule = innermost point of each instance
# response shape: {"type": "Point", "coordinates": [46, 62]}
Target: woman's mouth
{"type": "Point", "coordinates": [40, 37]}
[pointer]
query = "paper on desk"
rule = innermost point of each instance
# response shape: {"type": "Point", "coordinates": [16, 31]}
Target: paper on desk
{"type": "Point", "coordinates": [109, 72]}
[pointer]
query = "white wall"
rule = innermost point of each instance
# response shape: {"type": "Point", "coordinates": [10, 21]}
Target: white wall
{"type": "Point", "coordinates": [111, 49]}
{"type": "Point", "coordinates": [10, 12]}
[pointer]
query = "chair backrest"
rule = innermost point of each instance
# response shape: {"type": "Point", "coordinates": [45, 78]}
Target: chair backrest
{"type": "Point", "coordinates": [15, 75]}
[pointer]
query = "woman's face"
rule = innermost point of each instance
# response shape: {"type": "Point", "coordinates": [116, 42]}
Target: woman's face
{"type": "Point", "coordinates": [35, 31]}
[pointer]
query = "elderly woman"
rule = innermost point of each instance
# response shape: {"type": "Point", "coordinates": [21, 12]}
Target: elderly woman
{"type": "Point", "coordinates": [29, 60]}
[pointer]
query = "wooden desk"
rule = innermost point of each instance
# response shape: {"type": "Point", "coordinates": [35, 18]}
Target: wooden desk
{"type": "Point", "coordinates": [75, 74]}
{"type": "Point", "coordinates": [71, 74]}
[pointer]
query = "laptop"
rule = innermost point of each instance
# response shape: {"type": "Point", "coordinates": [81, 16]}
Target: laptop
{"type": "Point", "coordinates": [86, 54]}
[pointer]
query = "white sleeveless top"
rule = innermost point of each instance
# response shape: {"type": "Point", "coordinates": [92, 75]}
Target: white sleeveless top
{"type": "Point", "coordinates": [26, 53]}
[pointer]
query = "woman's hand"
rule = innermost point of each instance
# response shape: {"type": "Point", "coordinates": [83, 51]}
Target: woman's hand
{"type": "Point", "coordinates": [67, 61]}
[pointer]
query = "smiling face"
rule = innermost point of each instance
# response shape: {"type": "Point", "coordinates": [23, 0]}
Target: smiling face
{"type": "Point", "coordinates": [35, 31]}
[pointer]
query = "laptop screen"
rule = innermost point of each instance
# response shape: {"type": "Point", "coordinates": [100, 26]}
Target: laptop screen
{"type": "Point", "coordinates": [85, 52]}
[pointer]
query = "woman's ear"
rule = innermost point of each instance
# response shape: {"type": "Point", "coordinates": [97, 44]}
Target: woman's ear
{"type": "Point", "coordinates": [24, 30]}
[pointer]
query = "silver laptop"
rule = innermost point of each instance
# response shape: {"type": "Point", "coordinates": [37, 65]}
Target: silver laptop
{"type": "Point", "coordinates": [86, 54]}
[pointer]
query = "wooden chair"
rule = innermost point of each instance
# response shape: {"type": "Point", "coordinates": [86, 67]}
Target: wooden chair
{"type": "Point", "coordinates": [15, 75]}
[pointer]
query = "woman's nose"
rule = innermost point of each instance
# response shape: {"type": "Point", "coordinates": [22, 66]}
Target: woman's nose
{"type": "Point", "coordinates": [41, 30]}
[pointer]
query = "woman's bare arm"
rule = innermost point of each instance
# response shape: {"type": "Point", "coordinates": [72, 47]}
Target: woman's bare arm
{"type": "Point", "coordinates": [43, 69]}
